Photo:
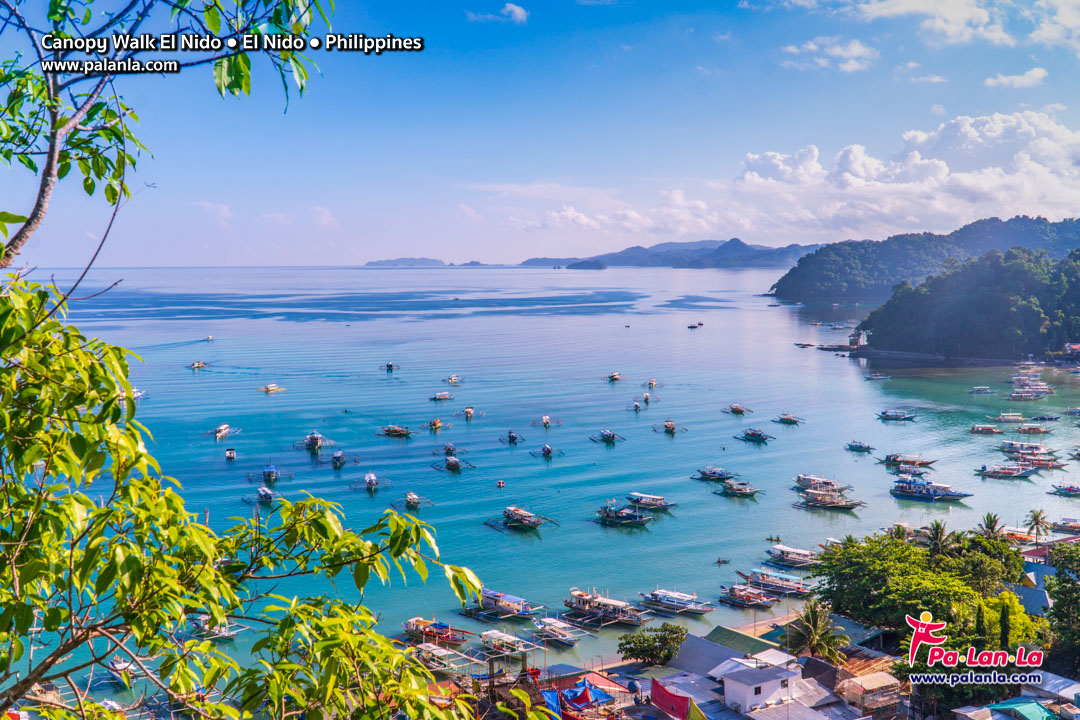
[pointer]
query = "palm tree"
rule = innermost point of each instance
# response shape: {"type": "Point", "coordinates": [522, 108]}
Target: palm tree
{"type": "Point", "coordinates": [897, 532]}
{"type": "Point", "coordinates": [814, 632]}
{"type": "Point", "coordinates": [941, 541]}
{"type": "Point", "coordinates": [990, 527]}
{"type": "Point", "coordinates": [1037, 524]}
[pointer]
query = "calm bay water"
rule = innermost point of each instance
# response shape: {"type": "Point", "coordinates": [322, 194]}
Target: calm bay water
{"type": "Point", "coordinates": [528, 342]}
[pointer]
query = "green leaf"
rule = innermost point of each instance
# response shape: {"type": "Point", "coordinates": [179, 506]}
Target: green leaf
{"type": "Point", "coordinates": [212, 18]}
{"type": "Point", "coordinates": [88, 185]}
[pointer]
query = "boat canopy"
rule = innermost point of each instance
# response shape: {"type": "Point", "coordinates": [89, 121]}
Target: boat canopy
{"type": "Point", "coordinates": [765, 572]}
{"type": "Point", "coordinates": [646, 496]}
{"type": "Point", "coordinates": [794, 551]}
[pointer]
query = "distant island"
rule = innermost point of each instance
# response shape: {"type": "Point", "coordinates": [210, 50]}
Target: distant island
{"type": "Point", "coordinates": [868, 269]}
{"type": "Point", "coordinates": [406, 262]}
{"type": "Point", "coordinates": [587, 265]}
{"type": "Point", "coordinates": [997, 306]}
{"type": "Point", "coordinates": [733, 253]}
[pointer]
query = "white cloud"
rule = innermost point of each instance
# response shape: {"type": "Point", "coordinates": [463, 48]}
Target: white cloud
{"type": "Point", "coordinates": [1032, 78]}
{"type": "Point", "coordinates": [850, 55]}
{"type": "Point", "coordinates": [220, 212]}
{"type": "Point", "coordinates": [938, 179]}
{"type": "Point", "coordinates": [929, 79]}
{"type": "Point", "coordinates": [322, 217]}
{"type": "Point", "coordinates": [471, 213]}
{"type": "Point", "coordinates": [1054, 108]}
{"type": "Point", "coordinates": [952, 21]}
{"type": "Point", "coordinates": [1058, 23]}
{"type": "Point", "coordinates": [937, 109]}
{"type": "Point", "coordinates": [510, 12]}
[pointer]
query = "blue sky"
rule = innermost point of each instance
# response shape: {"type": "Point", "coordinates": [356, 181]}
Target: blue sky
{"type": "Point", "coordinates": [563, 128]}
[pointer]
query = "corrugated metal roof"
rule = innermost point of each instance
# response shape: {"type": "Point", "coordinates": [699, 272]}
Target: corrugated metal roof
{"type": "Point", "coordinates": [698, 655]}
{"type": "Point", "coordinates": [743, 643]}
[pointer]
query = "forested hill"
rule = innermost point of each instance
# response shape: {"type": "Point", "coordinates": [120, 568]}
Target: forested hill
{"type": "Point", "coordinates": [994, 306]}
{"type": "Point", "coordinates": [733, 253]}
{"type": "Point", "coordinates": [868, 269]}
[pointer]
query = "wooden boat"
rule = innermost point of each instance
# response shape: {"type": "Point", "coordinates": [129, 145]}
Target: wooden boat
{"type": "Point", "coordinates": [788, 419]}
{"type": "Point", "coordinates": [981, 390]}
{"type": "Point", "coordinates": [744, 596]}
{"type": "Point", "coordinates": [434, 631]}
{"type": "Point", "coordinates": [613, 377]}
{"type": "Point", "coordinates": [776, 583]}
{"type": "Point", "coordinates": [1066, 490]}
{"type": "Point", "coordinates": [819, 483]}
{"type": "Point", "coordinates": [651, 502]}
{"type": "Point", "coordinates": [859, 446]}
{"type": "Point", "coordinates": [546, 451]}
{"type": "Point", "coordinates": [737, 409]}
{"type": "Point", "coordinates": [819, 500]}
{"type": "Point", "coordinates": [668, 427]}
{"type": "Point", "coordinates": [507, 606]}
{"type": "Point", "coordinates": [515, 517]}
{"type": "Point", "coordinates": [790, 558]}
{"type": "Point", "coordinates": [1033, 429]}
{"type": "Point", "coordinates": [439, 659]}
{"type": "Point", "coordinates": [222, 430]}
{"type": "Point", "coordinates": [895, 415]}
{"type": "Point", "coordinates": [610, 515]}
{"type": "Point", "coordinates": [902, 459]}
{"type": "Point", "coordinates": [984, 429]}
{"type": "Point", "coordinates": [511, 438]}
{"type": "Point", "coordinates": [597, 608]}
{"type": "Point", "coordinates": [411, 501]}
{"type": "Point", "coordinates": [912, 470]}
{"type": "Point", "coordinates": [1009, 417]}
{"type": "Point", "coordinates": [676, 602]}
{"type": "Point", "coordinates": [270, 389]}
{"type": "Point", "coordinates": [313, 442]}
{"type": "Point", "coordinates": [1046, 418]}
{"type": "Point", "coordinates": [558, 631]}
{"type": "Point", "coordinates": [711, 472]}
{"type": "Point", "coordinates": [738, 489]}
{"type": "Point", "coordinates": [230, 453]}
{"type": "Point", "coordinates": [199, 365]}
{"type": "Point", "coordinates": [502, 642]}
{"type": "Point", "coordinates": [910, 488]}
{"type": "Point", "coordinates": [453, 379]}
{"type": "Point", "coordinates": [607, 437]}
{"type": "Point", "coordinates": [263, 496]}
{"type": "Point", "coordinates": [546, 421]}
{"type": "Point", "coordinates": [338, 459]}
{"type": "Point", "coordinates": [390, 367]}
{"type": "Point", "coordinates": [1067, 525]}
{"type": "Point", "coordinates": [1010, 446]}
{"type": "Point", "coordinates": [396, 431]}
{"type": "Point", "coordinates": [1017, 536]}
{"type": "Point", "coordinates": [1007, 471]}
{"type": "Point", "coordinates": [452, 464]}
{"type": "Point", "coordinates": [754, 435]}
{"type": "Point", "coordinates": [1043, 462]}
{"type": "Point", "coordinates": [440, 396]}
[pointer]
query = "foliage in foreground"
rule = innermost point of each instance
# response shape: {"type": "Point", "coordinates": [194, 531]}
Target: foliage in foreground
{"type": "Point", "coordinates": [655, 646]}
{"type": "Point", "coordinates": [99, 557]}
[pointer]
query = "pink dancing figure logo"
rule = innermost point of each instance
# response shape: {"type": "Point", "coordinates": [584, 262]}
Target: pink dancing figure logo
{"type": "Point", "coordinates": [924, 629]}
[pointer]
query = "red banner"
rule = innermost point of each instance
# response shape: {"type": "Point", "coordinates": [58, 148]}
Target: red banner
{"type": "Point", "coordinates": [677, 706]}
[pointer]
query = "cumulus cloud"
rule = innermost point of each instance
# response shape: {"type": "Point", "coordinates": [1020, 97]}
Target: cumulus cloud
{"type": "Point", "coordinates": [937, 109]}
{"type": "Point", "coordinates": [937, 179]}
{"type": "Point", "coordinates": [471, 213]}
{"type": "Point", "coordinates": [510, 12]}
{"type": "Point", "coordinates": [1057, 24]}
{"type": "Point", "coordinates": [821, 52]}
{"type": "Point", "coordinates": [952, 21]}
{"type": "Point", "coordinates": [322, 217]}
{"type": "Point", "coordinates": [1032, 78]}
{"type": "Point", "coordinates": [929, 79]}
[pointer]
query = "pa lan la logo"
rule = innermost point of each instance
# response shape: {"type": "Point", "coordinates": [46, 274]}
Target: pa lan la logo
{"type": "Point", "coordinates": [925, 632]}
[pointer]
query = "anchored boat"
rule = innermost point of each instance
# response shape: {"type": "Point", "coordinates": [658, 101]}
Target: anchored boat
{"type": "Point", "coordinates": [895, 415]}
{"type": "Point", "coordinates": [911, 488]}
{"type": "Point", "coordinates": [754, 435]}
{"type": "Point", "coordinates": [789, 557]}
{"type": "Point", "coordinates": [558, 631]}
{"type": "Point", "coordinates": [434, 631]}
{"type": "Point", "coordinates": [859, 446]}
{"type": "Point", "coordinates": [776, 583]}
{"type": "Point", "coordinates": [650, 502]}
{"type": "Point", "coordinates": [613, 516]}
{"type": "Point", "coordinates": [744, 596]}
{"type": "Point", "coordinates": [595, 608]}
{"type": "Point", "coordinates": [711, 472]}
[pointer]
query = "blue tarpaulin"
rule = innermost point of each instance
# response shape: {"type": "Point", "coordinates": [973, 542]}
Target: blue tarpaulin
{"type": "Point", "coordinates": [584, 694]}
{"type": "Point", "coordinates": [551, 699]}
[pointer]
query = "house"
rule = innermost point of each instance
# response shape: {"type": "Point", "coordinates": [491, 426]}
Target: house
{"type": "Point", "coordinates": [1055, 687]}
{"type": "Point", "coordinates": [1019, 708]}
{"type": "Point", "coordinates": [749, 688]}
{"type": "Point", "coordinates": [876, 694]}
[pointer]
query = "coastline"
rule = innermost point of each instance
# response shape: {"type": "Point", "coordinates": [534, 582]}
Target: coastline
{"type": "Point", "coordinates": [916, 359]}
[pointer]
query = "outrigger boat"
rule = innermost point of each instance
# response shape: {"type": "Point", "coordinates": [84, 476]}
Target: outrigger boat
{"type": "Point", "coordinates": [983, 429]}
{"type": "Point", "coordinates": [469, 413]}
{"type": "Point", "coordinates": [737, 409]}
{"type": "Point", "coordinates": [436, 632]}
{"type": "Point", "coordinates": [597, 609]}
{"type": "Point", "coordinates": [453, 464]}
{"type": "Point", "coordinates": [981, 390]}
{"type": "Point", "coordinates": [439, 396]}
{"type": "Point", "coordinates": [396, 431]}
{"type": "Point", "coordinates": [820, 500]}
{"type": "Point", "coordinates": [652, 383]}
{"type": "Point", "coordinates": [201, 627]}
{"type": "Point", "coordinates": [910, 488]}
{"type": "Point", "coordinates": [558, 631]}
{"type": "Point", "coordinates": [613, 516]}
{"type": "Point", "coordinates": [614, 377]}
{"type": "Point", "coordinates": [516, 518]}
{"type": "Point", "coordinates": [222, 430]}
{"type": "Point", "coordinates": [314, 442]}
{"type": "Point", "coordinates": [371, 483]}
{"type": "Point", "coordinates": [199, 365]}
{"type": "Point", "coordinates": [790, 558]}
{"type": "Point", "coordinates": [754, 435]}
{"type": "Point", "coordinates": [676, 602]}
{"type": "Point", "coordinates": [649, 502]}
{"type": "Point", "coordinates": [546, 451]}
{"type": "Point", "coordinates": [546, 421]}
{"type": "Point", "coordinates": [391, 367]}
{"type": "Point", "coordinates": [859, 446]}
{"type": "Point", "coordinates": [1046, 418]}
{"type": "Point", "coordinates": [136, 394]}
{"type": "Point", "coordinates": [1016, 446]}
{"type": "Point", "coordinates": [902, 459]}
{"type": "Point", "coordinates": [502, 642]}
{"type": "Point", "coordinates": [1007, 471]}
{"type": "Point", "coordinates": [270, 475]}
{"type": "Point", "coordinates": [1067, 525]}
{"type": "Point", "coordinates": [669, 428]}
{"type": "Point", "coordinates": [819, 483]}
{"type": "Point", "coordinates": [788, 419]}
{"type": "Point", "coordinates": [453, 379]}
{"type": "Point", "coordinates": [270, 389]}
{"type": "Point", "coordinates": [911, 470]}
{"type": "Point", "coordinates": [895, 415]}
{"type": "Point", "coordinates": [339, 459]}
{"type": "Point", "coordinates": [878, 376]}
{"type": "Point", "coordinates": [448, 449]}
{"type": "Point", "coordinates": [607, 437]}
{"type": "Point", "coordinates": [502, 606]}
{"type": "Point", "coordinates": [732, 488]}
{"type": "Point", "coordinates": [441, 660]}
{"type": "Point", "coordinates": [1042, 462]}
{"type": "Point", "coordinates": [647, 398]}
{"type": "Point", "coordinates": [711, 472]}
{"type": "Point", "coordinates": [1066, 490]}
{"type": "Point", "coordinates": [411, 501]}
{"type": "Point", "coordinates": [1033, 430]}
{"type": "Point", "coordinates": [434, 425]}
{"type": "Point", "coordinates": [776, 583]}
{"type": "Point", "coordinates": [262, 496]}
{"type": "Point", "coordinates": [744, 596]}
{"type": "Point", "coordinates": [511, 438]}
{"type": "Point", "coordinates": [1008, 417]}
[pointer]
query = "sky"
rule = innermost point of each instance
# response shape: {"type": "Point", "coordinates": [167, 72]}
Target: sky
{"type": "Point", "coordinates": [564, 128]}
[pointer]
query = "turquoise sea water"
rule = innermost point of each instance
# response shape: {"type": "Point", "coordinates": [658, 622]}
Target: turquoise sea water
{"type": "Point", "coordinates": [528, 342]}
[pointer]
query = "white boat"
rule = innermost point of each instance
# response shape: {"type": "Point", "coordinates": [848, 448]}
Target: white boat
{"type": "Point", "coordinates": [676, 602]}
{"type": "Point", "coordinates": [981, 390]}
{"type": "Point", "coordinates": [557, 631]}
{"type": "Point", "coordinates": [597, 608]}
{"type": "Point", "coordinates": [504, 642]}
{"type": "Point", "coordinates": [789, 557]}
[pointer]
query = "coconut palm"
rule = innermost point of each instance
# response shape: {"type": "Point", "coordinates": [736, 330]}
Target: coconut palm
{"type": "Point", "coordinates": [990, 527]}
{"type": "Point", "coordinates": [897, 532]}
{"type": "Point", "coordinates": [814, 632]}
{"type": "Point", "coordinates": [1037, 524]}
{"type": "Point", "coordinates": [940, 540]}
